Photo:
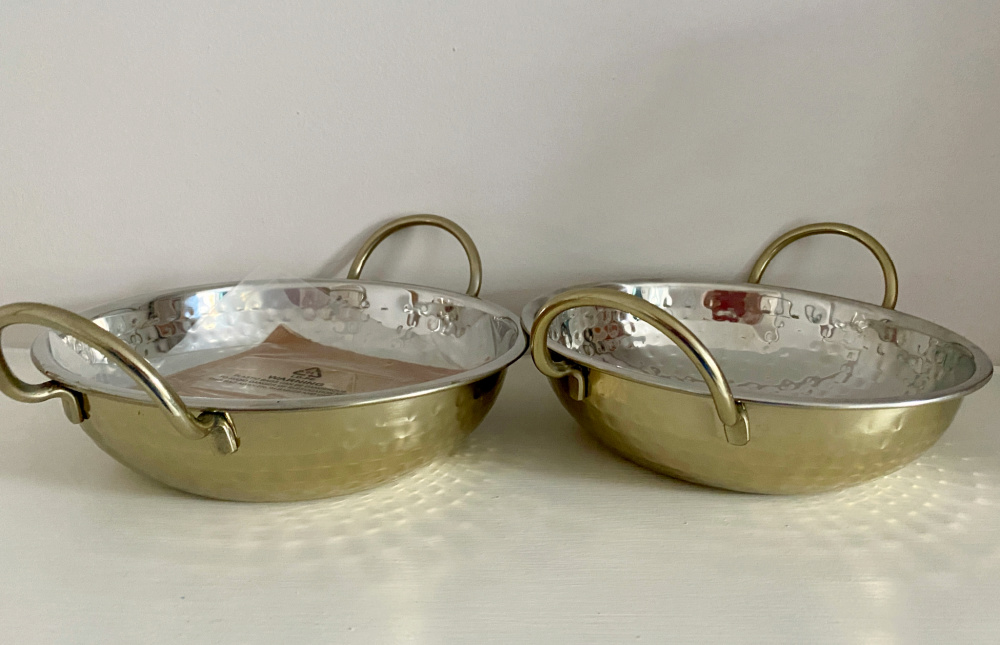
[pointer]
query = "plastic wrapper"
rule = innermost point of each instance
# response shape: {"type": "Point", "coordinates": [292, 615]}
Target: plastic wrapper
{"type": "Point", "coordinates": [272, 346]}
{"type": "Point", "coordinates": [287, 365]}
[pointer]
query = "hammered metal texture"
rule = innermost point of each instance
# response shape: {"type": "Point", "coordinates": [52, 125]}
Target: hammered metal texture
{"type": "Point", "coordinates": [295, 447]}
{"type": "Point", "coordinates": [791, 450]}
{"type": "Point", "coordinates": [775, 345]}
{"type": "Point", "coordinates": [288, 455]}
{"type": "Point", "coordinates": [176, 331]}
{"type": "Point", "coordinates": [835, 391]}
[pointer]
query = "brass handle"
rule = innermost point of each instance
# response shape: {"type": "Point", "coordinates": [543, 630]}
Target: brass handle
{"type": "Point", "coordinates": [888, 268]}
{"type": "Point", "coordinates": [475, 263]}
{"type": "Point", "coordinates": [216, 424]}
{"type": "Point", "coordinates": [731, 412]}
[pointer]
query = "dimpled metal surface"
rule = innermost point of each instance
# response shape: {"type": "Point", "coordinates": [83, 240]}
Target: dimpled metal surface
{"type": "Point", "coordinates": [791, 450]}
{"type": "Point", "coordinates": [836, 392]}
{"type": "Point", "coordinates": [179, 330]}
{"type": "Point", "coordinates": [295, 447]}
{"type": "Point", "coordinates": [780, 346]}
{"type": "Point", "coordinates": [288, 455]}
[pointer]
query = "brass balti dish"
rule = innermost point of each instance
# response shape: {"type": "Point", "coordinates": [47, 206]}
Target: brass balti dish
{"type": "Point", "coordinates": [274, 449]}
{"type": "Point", "coordinates": [749, 387]}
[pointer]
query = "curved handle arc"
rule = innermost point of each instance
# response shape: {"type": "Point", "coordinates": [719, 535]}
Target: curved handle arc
{"type": "Point", "coordinates": [209, 423]}
{"type": "Point", "coordinates": [376, 238]}
{"type": "Point", "coordinates": [837, 228]}
{"type": "Point", "coordinates": [731, 412]}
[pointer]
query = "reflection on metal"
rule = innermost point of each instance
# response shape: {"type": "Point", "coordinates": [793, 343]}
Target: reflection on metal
{"type": "Point", "coordinates": [836, 391]}
{"type": "Point", "coordinates": [291, 448]}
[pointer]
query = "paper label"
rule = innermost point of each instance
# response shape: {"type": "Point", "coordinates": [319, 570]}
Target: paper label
{"type": "Point", "coordinates": [287, 365]}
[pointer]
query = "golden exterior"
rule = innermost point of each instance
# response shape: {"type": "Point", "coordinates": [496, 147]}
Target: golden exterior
{"type": "Point", "coordinates": [792, 449]}
{"type": "Point", "coordinates": [778, 447]}
{"type": "Point", "coordinates": [215, 424]}
{"type": "Point", "coordinates": [288, 455]}
{"type": "Point", "coordinates": [291, 453]}
{"type": "Point", "coordinates": [730, 412]}
{"type": "Point", "coordinates": [278, 455]}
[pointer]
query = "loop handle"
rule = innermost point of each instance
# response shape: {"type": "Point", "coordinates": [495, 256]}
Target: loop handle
{"type": "Point", "coordinates": [888, 268]}
{"type": "Point", "coordinates": [216, 424]}
{"type": "Point", "coordinates": [475, 263]}
{"type": "Point", "coordinates": [731, 412]}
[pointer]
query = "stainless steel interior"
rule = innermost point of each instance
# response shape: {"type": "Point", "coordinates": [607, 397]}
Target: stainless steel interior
{"type": "Point", "coordinates": [775, 345]}
{"type": "Point", "coordinates": [179, 330]}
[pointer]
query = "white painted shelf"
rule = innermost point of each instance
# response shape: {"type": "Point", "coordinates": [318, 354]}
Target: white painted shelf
{"type": "Point", "coordinates": [532, 533]}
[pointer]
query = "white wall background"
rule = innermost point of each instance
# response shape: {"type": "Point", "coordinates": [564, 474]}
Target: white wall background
{"type": "Point", "coordinates": [146, 146]}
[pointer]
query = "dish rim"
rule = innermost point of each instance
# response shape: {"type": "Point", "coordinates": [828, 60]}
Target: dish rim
{"type": "Point", "coordinates": [45, 361]}
{"type": "Point", "coordinates": [979, 378]}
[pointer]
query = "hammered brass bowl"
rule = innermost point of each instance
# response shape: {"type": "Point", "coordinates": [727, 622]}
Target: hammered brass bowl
{"type": "Point", "coordinates": [749, 387]}
{"type": "Point", "coordinates": [277, 449]}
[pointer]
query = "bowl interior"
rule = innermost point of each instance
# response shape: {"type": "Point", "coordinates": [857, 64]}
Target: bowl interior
{"type": "Point", "coordinates": [465, 337]}
{"type": "Point", "coordinates": [774, 345]}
